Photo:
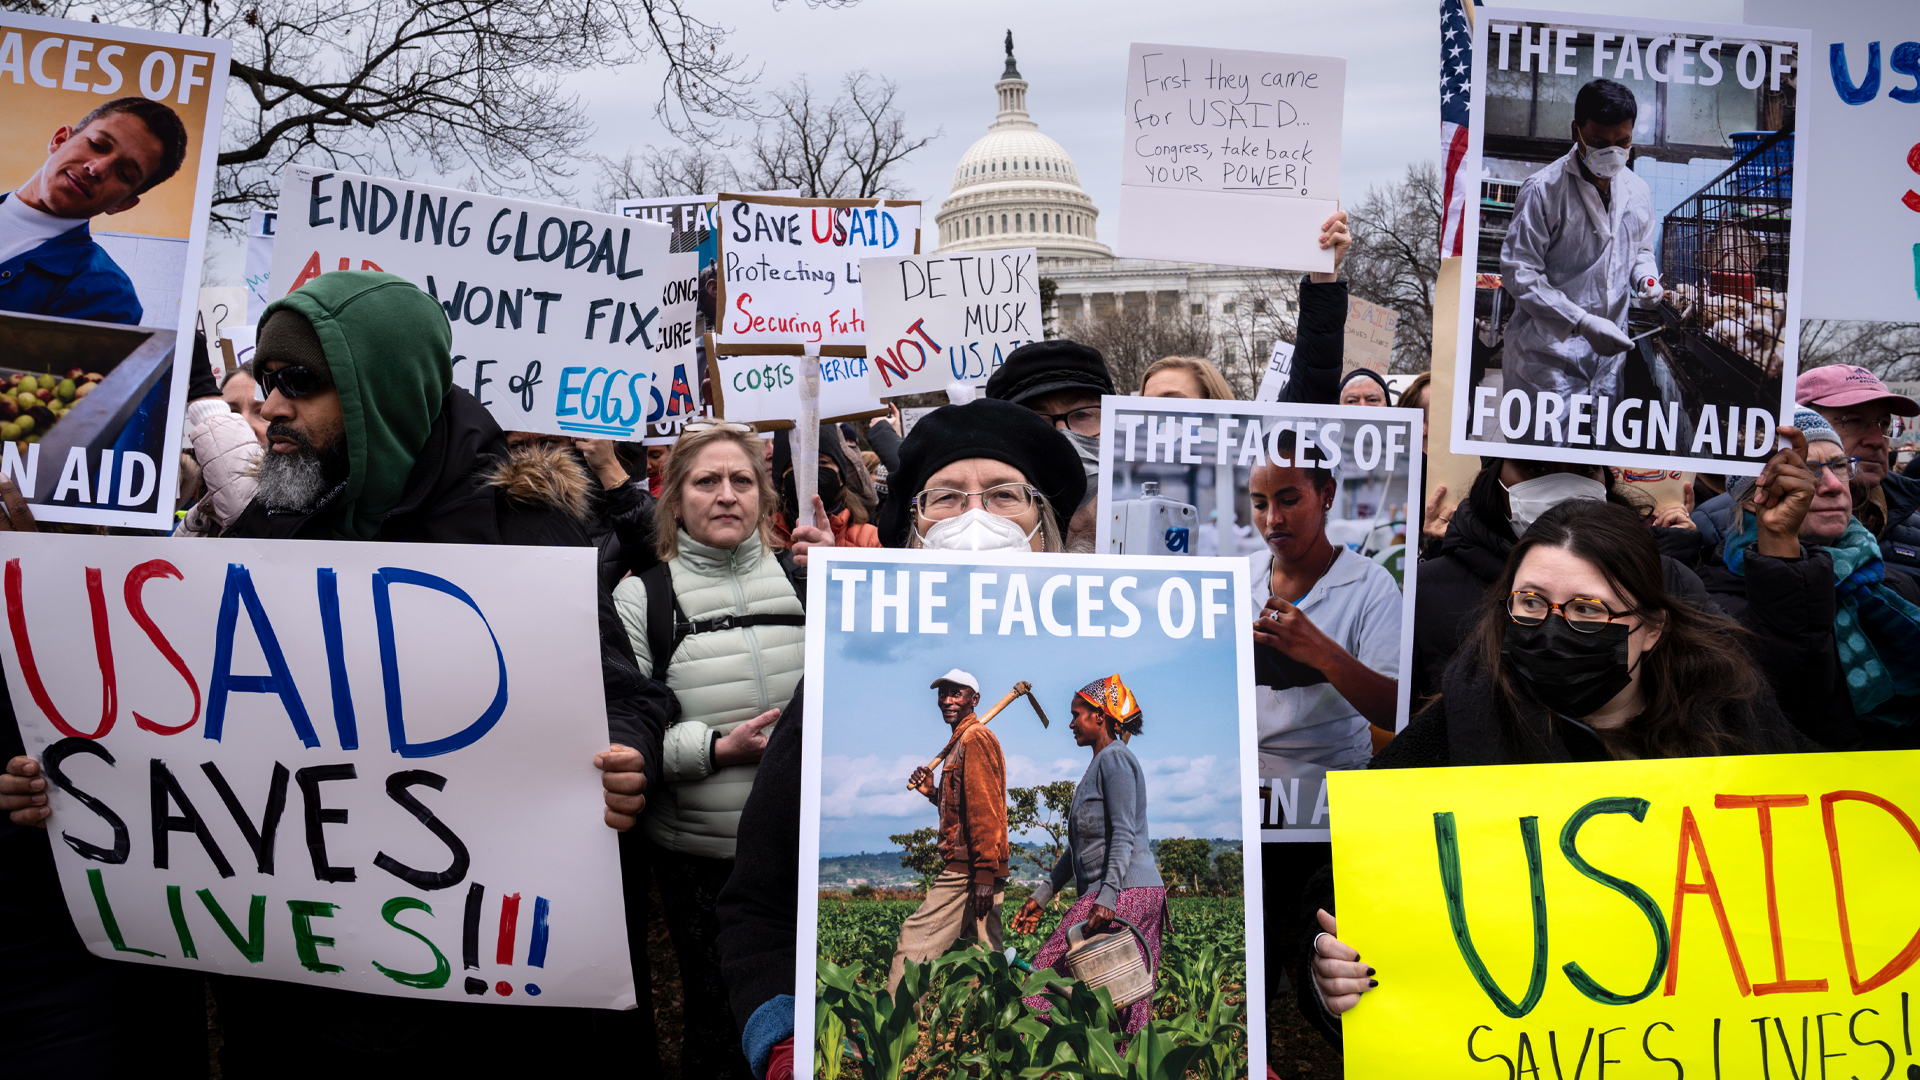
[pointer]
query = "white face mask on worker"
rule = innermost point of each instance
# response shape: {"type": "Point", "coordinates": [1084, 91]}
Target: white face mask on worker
{"type": "Point", "coordinates": [977, 530]}
{"type": "Point", "coordinates": [1605, 162]}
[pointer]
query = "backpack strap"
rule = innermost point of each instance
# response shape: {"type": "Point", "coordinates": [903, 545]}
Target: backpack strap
{"type": "Point", "coordinates": [668, 626]}
{"type": "Point", "coordinates": [663, 611]}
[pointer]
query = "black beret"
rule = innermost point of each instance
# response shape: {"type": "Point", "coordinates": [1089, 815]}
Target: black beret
{"type": "Point", "coordinates": [984, 428]}
{"type": "Point", "coordinates": [1042, 367]}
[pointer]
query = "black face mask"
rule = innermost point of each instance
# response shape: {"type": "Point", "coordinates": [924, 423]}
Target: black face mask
{"type": "Point", "coordinates": [1569, 672]}
{"type": "Point", "coordinates": [828, 486]}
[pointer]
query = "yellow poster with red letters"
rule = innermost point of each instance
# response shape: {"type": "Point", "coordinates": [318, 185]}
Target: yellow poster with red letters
{"type": "Point", "coordinates": [1736, 917]}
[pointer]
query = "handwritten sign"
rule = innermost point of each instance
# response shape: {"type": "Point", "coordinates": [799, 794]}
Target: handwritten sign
{"type": "Point", "coordinates": [1230, 156]}
{"type": "Point", "coordinates": [1707, 917]}
{"type": "Point", "coordinates": [937, 320]}
{"type": "Point", "coordinates": [564, 321]}
{"type": "Point", "coordinates": [1279, 369]}
{"type": "Point", "coordinates": [1862, 206]}
{"type": "Point", "coordinates": [1370, 330]}
{"type": "Point", "coordinates": [762, 387]}
{"type": "Point", "coordinates": [790, 268]}
{"type": "Point", "coordinates": [311, 792]}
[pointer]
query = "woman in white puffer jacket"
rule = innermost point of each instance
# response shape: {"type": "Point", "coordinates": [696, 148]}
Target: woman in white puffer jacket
{"type": "Point", "coordinates": [733, 634]}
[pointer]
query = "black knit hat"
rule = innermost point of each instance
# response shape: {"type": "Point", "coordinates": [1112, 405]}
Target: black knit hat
{"type": "Point", "coordinates": [1042, 367]}
{"type": "Point", "coordinates": [287, 336]}
{"type": "Point", "coordinates": [984, 428]}
{"type": "Point", "coordinates": [1367, 373]}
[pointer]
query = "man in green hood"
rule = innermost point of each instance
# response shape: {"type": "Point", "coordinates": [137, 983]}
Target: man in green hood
{"type": "Point", "coordinates": [368, 439]}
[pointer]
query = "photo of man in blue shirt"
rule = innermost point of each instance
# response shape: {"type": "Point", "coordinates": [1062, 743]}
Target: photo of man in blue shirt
{"type": "Point", "coordinates": [49, 261]}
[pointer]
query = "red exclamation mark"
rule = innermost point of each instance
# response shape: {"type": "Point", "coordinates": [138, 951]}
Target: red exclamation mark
{"type": "Point", "coordinates": [509, 922]}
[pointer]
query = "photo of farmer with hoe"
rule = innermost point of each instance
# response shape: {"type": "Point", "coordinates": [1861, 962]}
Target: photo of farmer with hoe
{"type": "Point", "coordinates": [965, 899]}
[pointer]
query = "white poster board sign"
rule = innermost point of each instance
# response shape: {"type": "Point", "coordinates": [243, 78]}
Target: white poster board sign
{"type": "Point", "coordinates": [936, 320]}
{"type": "Point", "coordinates": [1230, 156]}
{"type": "Point", "coordinates": [1279, 369]}
{"type": "Point", "coordinates": [1174, 633]}
{"type": "Point", "coordinates": [1243, 461]}
{"type": "Point", "coordinates": [790, 268]}
{"type": "Point", "coordinates": [111, 455]}
{"type": "Point", "coordinates": [261, 225]}
{"type": "Point", "coordinates": [765, 387]}
{"type": "Point", "coordinates": [565, 322]}
{"type": "Point", "coordinates": [1863, 209]}
{"type": "Point", "coordinates": [312, 791]}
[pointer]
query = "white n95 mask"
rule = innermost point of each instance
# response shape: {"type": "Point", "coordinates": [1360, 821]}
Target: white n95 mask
{"type": "Point", "coordinates": [977, 530]}
{"type": "Point", "coordinates": [1606, 162]}
{"type": "Point", "coordinates": [1528, 499]}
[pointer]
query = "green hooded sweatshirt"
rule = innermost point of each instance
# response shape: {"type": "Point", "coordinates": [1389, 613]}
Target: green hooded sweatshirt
{"type": "Point", "coordinates": [390, 352]}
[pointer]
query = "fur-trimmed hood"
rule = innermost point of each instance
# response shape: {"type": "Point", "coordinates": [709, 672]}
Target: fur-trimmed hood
{"type": "Point", "coordinates": [545, 474]}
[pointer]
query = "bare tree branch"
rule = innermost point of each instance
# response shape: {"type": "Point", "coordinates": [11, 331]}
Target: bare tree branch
{"type": "Point", "coordinates": [1395, 259]}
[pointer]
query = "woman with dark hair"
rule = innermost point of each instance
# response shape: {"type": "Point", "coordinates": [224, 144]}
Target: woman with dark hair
{"type": "Point", "coordinates": [1579, 653]}
{"type": "Point", "coordinates": [839, 487]}
{"type": "Point", "coordinates": [1507, 496]}
{"type": "Point", "coordinates": [1116, 882]}
{"type": "Point", "coordinates": [1327, 640]}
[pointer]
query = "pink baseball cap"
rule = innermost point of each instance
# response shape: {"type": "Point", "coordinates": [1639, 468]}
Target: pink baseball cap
{"type": "Point", "coordinates": [1837, 386]}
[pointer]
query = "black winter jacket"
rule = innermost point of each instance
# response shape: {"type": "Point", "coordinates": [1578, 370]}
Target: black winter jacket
{"type": "Point", "coordinates": [1319, 344]}
{"type": "Point", "coordinates": [1453, 588]}
{"type": "Point", "coordinates": [758, 910]}
{"type": "Point", "coordinates": [1789, 604]}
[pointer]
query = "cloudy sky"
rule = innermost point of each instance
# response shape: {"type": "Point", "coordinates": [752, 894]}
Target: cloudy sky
{"type": "Point", "coordinates": [945, 58]}
{"type": "Point", "coordinates": [882, 721]}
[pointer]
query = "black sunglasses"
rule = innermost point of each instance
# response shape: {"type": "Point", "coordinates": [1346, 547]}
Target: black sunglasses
{"type": "Point", "coordinates": [291, 380]}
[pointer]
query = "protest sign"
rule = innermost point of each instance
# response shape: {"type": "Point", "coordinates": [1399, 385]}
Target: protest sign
{"type": "Point", "coordinates": [565, 322]}
{"type": "Point", "coordinates": [192, 720]}
{"type": "Point", "coordinates": [789, 281]}
{"type": "Point", "coordinates": [1230, 156]}
{"type": "Point", "coordinates": [936, 320]}
{"type": "Point", "coordinates": [1370, 330]}
{"type": "Point", "coordinates": [1660, 328]}
{"type": "Point", "coordinates": [790, 268]}
{"type": "Point", "coordinates": [1697, 917]}
{"type": "Point", "coordinates": [1291, 474]}
{"type": "Point", "coordinates": [882, 625]}
{"type": "Point", "coordinates": [1862, 81]}
{"type": "Point", "coordinates": [95, 437]}
{"type": "Point", "coordinates": [259, 266]}
{"type": "Point", "coordinates": [1279, 369]}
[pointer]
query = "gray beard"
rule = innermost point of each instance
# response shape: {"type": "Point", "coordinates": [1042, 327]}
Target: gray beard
{"type": "Point", "coordinates": [293, 483]}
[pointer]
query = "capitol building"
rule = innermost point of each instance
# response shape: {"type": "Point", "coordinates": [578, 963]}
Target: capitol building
{"type": "Point", "coordinates": [1016, 187]}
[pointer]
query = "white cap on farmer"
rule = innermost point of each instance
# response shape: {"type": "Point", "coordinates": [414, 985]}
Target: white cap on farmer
{"type": "Point", "coordinates": [957, 678]}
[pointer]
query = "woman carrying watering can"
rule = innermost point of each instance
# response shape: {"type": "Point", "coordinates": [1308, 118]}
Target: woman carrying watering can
{"type": "Point", "coordinates": [1119, 887]}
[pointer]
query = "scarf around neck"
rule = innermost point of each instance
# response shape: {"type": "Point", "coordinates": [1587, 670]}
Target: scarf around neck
{"type": "Point", "coordinates": [1876, 631]}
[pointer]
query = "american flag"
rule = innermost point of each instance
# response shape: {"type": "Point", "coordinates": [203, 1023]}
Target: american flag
{"type": "Point", "coordinates": [1456, 91]}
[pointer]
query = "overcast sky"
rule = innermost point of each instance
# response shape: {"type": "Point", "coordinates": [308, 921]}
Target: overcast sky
{"type": "Point", "coordinates": [946, 57]}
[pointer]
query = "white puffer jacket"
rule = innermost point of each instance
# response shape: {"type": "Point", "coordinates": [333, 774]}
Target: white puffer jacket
{"type": "Point", "coordinates": [721, 678]}
{"type": "Point", "coordinates": [229, 455]}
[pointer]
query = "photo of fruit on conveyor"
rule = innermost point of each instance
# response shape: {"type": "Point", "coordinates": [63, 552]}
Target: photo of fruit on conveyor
{"type": "Point", "coordinates": [30, 404]}
{"type": "Point", "coordinates": [117, 400]}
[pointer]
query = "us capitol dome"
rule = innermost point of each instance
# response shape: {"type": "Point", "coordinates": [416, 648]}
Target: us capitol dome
{"type": "Point", "coordinates": [1016, 187]}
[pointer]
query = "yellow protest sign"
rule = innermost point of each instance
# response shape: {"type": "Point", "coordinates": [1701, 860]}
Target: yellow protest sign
{"type": "Point", "coordinates": [1740, 917]}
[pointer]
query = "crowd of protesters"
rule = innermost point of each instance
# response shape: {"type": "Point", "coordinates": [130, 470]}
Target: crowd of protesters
{"type": "Point", "coordinates": [1555, 620]}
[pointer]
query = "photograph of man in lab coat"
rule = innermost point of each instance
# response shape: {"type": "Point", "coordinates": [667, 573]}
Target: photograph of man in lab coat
{"type": "Point", "coordinates": [1578, 251]}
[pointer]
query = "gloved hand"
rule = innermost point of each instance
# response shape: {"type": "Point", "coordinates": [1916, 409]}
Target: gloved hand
{"type": "Point", "coordinates": [1647, 292]}
{"type": "Point", "coordinates": [780, 1062]}
{"type": "Point", "coordinates": [1606, 338]}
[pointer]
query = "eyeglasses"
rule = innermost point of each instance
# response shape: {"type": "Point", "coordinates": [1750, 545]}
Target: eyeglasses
{"type": "Point", "coordinates": [1854, 424]}
{"type": "Point", "coordinates": [1005, 500]}
{"type": "Point", "coordinates": [1585, 614]}
{"type": "Point", "coordinates": [1843, 469]}
{"type": "Point", "coordinates": [1083, 421]}
{"type": "Point", "coordinates": [290, 380]}
{"type": "Point", "coordinates": [694, 427]}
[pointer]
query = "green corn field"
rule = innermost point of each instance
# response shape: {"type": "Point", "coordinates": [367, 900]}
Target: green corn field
{"type": "Point", "coordinates": [962, 1014]}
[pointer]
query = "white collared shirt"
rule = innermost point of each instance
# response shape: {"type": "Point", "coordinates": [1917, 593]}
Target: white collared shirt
{"type": "Point", "coordinates": [1357, 604]}
{"type": "Point", "coordinates": [23, 228]}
